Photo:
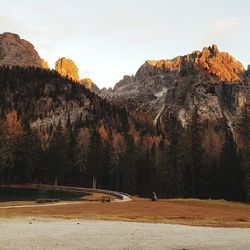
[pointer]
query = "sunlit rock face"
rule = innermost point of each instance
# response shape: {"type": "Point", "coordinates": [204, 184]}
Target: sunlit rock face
{"type": "Point", "coordinates": [15, 51]}
{"type": "Point", "coordinates": [88, 83]}
{"type": "Point", "coordinates": [210, 59]}
{"type": "Point", "coordinates": [220, 64]}
{"type": "Point", "coordinates": [67, 68]}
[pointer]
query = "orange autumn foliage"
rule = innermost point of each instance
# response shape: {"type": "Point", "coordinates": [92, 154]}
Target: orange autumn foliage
{"type": "Point", "coordinates": [103, 133]}
{"type": "Point", "coordinates": [14, 125]}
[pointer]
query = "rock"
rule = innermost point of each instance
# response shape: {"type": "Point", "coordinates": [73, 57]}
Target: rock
{"type": "Point", "coordinates": [220, 64]}
{"type": "Point", "coordinates": [67, 68]}
{"type": "Point", "coordinates": [88, 83]}
{"type": "Point", "coordinates": [15, 51]}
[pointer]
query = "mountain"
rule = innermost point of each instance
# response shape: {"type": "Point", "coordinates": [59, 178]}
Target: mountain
{"type": "Point", "coordinates": [210, 80]}
{"type": "Point", "coordinates": [15, 51]}
{"type": "Point", "coordinates": [156, 79]}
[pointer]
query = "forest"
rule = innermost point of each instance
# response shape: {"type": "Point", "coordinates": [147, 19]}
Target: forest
{"type": "Point", "coordinates": [108, 147]}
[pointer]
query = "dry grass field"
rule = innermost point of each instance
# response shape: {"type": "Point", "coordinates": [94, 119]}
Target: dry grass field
{"type": "Point", "coordinates": [215, 213]}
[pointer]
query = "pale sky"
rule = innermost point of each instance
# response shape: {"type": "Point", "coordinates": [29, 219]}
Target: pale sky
{"type": "Point", "coordinates": [111, 38]}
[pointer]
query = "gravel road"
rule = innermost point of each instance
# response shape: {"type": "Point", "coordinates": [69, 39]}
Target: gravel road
{"type": "Point", "coordinates": [30, 233]}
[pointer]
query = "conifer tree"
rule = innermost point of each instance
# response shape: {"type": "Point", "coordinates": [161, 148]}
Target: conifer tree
{"type": "Point", "coordinates": [94, 159]}
{"type": "Point", "coordinates": [195, 153]}
{"type": "Point", "coordinates": [230, 169]}
{"type": "Point", "coordinates": [56, 155]}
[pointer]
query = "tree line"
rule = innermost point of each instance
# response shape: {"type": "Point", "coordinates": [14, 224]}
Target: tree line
{"type": "Point", "coordinates": [111, 149]}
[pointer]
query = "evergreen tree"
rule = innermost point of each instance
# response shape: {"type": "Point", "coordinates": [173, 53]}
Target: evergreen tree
{"type": "Point", "coordinates": [244, 130]}
{"type": "Point", "coordinates": [195, 153]}
{"type": "Point", "coordinates": [94, 157]}
{"type": "Point", "coordinates": [81, 155]}
{"type": "Point", "coordinates": [144, 168]}
{"type": "Point", "coordinates": [56, 156]}
{"type": "Point", "coordinates": [129, 164]}
{"type": "Point", "coordinates": [230, 170]}
{"type": "Point", "coordinates": [28, 157]}
{"type": "Point", "coordinates": [174, 161]}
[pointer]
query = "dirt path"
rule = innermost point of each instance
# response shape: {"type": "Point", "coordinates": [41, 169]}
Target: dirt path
{"type": "Point", "coordinates": [29, 233]}
{"type": "Point", "coordinates": [125, 199]}
{"type": "Point", "coordinates": [47, 204]}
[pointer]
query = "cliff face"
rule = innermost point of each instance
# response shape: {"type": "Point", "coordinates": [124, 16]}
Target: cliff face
{"type": "Point", "coordinates": [67, 68]}
{"type": "Point", "coordinates": [15, 51]}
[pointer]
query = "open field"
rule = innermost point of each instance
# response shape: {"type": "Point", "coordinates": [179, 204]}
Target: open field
{"type": "Point", "coordinates": [215, 213]}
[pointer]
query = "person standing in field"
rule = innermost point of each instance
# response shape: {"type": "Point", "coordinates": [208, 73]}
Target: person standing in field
{"type": "Point", "coordinates": [154, 196]}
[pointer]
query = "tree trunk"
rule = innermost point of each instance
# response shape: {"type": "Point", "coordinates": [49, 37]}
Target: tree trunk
{"type": "Point", "coordinates": [81, 179]}
{"type": "Point", "coordinates": [94, 182]}
{"type": "Point", "coordinates": [2, 179]}
{"type": "Point", "coordinates": [55, 183]}
{"type": "Point", "coordinates": [9, 175]}
{"type": "Point", "coordinates": [117, 180]}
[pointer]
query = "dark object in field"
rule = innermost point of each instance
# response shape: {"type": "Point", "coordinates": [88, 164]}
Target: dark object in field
{"type": "Point", "coordinates": [106, 199]}
{"type": "Point", "coordinates": [47, 200]}
{"type": "Point", "coordinates": [154, 196]}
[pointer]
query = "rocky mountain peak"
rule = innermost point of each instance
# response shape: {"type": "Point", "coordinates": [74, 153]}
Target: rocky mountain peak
{"type": "Point", "coordinates": [67, 68]}
{"type": "Point", "coordinates": [15, 51]}
{"type": "Point", "coordinates": [220, 64]}
{"type": "Point", "coordinates": [217, 63]}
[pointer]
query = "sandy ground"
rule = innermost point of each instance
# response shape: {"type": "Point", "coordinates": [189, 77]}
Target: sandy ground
{"type": "Point", "coordinates": [30, 233]}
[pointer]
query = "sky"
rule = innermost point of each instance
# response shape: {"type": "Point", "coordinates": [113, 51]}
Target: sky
{"type": "Point", "coordinates": [108, 39]}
